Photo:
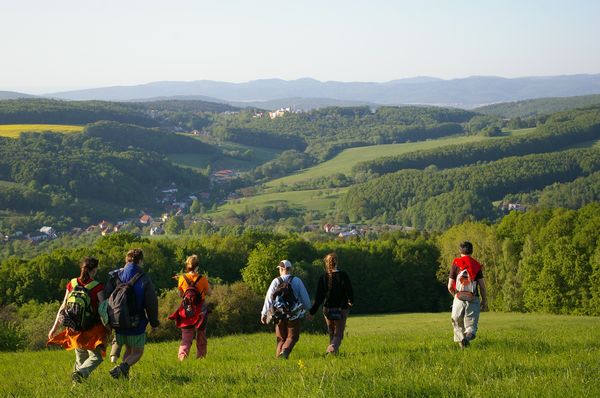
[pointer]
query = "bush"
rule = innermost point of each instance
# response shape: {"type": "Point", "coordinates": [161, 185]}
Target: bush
{"type": "Point", "coordinates": [11, 338]}
{"type": "Point", "coordinates": [235, 309]}
{"type": "Point", "coordinates": [35, 320]}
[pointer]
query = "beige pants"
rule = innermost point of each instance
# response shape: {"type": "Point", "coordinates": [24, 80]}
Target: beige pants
{"type": "Point", "coordinates": [465, 316]}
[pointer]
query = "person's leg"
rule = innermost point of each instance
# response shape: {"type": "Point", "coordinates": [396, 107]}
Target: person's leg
{"type": "Point", "coordinates": [94, 358]}
{"type": "Point", "coordinates": [281, 332]}
{"type": "Point", "coordinates": [201, 342]}
{"type": "Point", "coordinates": [472, 311]}
{"type": "Point", "coordinates": [115, 350]}
{"type": "Point", "coordinates": [458, 311]}
{"type": "Point", "coordinates": [187, 336]}
{"type": "Point", "coordinates": [293, 335]}
{"type": "Point", "coordinates": [330, 329]}
{"type": "Point", "coordinates": [338, 335]}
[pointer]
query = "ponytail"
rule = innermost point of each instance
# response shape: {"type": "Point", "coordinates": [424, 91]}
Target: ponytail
{"type": "Point", "coordinates": [331, 261]}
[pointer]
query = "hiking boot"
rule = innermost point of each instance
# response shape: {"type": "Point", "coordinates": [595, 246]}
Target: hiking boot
{"type": "Point", "coordinates": [115, 372]}
{"type": "Point", "coordinates": [124, 369]}
{"type": "Point", "coordinates": [284, 354]}
{"type": "Point", "coordinates": [464, 343]}
{"type": "Point", "coordinates": [76, 377]}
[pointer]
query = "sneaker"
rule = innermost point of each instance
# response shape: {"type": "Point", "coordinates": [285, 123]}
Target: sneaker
{"type": "Point", "coordinates": [76, 377]}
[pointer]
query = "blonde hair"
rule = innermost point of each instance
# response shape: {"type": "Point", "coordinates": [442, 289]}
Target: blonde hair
{"type": "Point", "coordinates": [191, 263]}
{"type": "Point", "coordinates": [331, 261]}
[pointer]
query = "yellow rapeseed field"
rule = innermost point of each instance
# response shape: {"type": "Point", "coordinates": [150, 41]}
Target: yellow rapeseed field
{"type": "Point", "coordinates": [14, 130]}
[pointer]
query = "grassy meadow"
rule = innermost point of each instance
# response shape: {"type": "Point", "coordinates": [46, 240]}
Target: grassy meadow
{"type": "Point", "coordinates": [318, 199]}
{"type": "Point", "coordinates": [407, 355]}
{"type": "Point", "coordinates": [15, 130]}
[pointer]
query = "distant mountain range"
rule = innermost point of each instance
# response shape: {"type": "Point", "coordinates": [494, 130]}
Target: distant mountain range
{"type": "Point", "coordinates": [309, 93]}
{"type": "Point", "coordinates": [5, 95]}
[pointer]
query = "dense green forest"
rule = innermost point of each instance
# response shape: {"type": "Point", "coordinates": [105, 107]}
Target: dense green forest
{"type": "Point", "coordinates": [110, 170]}
{"type": "Point", "coordinates": [436, 199]}
{"type": "Point", "coordinates": [538, 106]}
{"type": "Point", "coordinates": [327, 131]}
{"type": "Point", "coordinates": [561, 131]}
{"type": "Point", "coordinates": [47, 111]}
{"type": "Point", "coordinates": [191, 114]}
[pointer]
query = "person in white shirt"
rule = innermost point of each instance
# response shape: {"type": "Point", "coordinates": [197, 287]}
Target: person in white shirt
{"type": "Point", "coordinates": [287, 320]}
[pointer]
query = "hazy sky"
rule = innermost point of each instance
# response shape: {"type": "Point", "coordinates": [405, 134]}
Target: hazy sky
{"type": "Point", "coordinates": [67, 44]}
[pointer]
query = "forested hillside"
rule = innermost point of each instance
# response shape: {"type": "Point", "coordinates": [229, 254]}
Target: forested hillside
{"type": "Point", "coordinates": [561, 131]}
{"type": "Point", "coordinates": [327, 131]}
{"type": "Point", "coordinates": [538, 106]}
{"type": "Point", "coordinates": [437, 199]}
{"type": "Point", "coordinates": [110, 170]}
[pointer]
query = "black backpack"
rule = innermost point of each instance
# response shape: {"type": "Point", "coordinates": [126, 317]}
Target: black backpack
{"type": "Point", "coordinates": [122, 304]}
{"type": "Point", "coordinates": [285, 303]}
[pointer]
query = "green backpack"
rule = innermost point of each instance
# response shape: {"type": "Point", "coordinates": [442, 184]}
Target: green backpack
{"type": "Point", "coordinates": [78, 314]}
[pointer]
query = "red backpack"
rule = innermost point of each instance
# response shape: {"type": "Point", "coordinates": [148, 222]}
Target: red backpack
{"type": "Point", "coordinates": [466, 285]}
{"type": "Point", "coordinates": [189, 312]}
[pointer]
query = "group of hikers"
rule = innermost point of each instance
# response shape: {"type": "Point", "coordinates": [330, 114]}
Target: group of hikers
{"type": "Point", "coordinates": [128, 302]}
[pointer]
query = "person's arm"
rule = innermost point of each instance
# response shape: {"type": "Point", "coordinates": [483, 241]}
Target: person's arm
{"type": "Point", "coordinates": [349, 290]}
{"type": "Point", "coordinates": [302, 293]}
{"type": "Point", "coordinates": [151, 301]}
{"type": "Point", "coordinates": [319, 296]}
{"type": "Point", "coordinates": [268, 302]}
{"type": "Point", "coordinates": [52, 331]}
{"type": "Point", "coordinates": [452, 279]}
{"type": "Point", "coordinates": [483, 292]}
{"type": "Point", "coordinates": [452, 286]}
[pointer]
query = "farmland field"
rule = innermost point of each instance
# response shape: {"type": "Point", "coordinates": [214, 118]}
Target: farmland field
{"type": "Point", "coordinates": [14, 130]}
{"type": "Point", "coordinates": [408, 355]}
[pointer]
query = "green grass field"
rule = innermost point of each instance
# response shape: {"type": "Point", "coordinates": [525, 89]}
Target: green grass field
{"type": "Point", "coordinates": [409, 355]}
{"type": "Point", "coordinates": [319, 199]}
{"type": "Point", "coordinates": [344, 162]}
{"type": "Point", "coordinates": [15, 130]}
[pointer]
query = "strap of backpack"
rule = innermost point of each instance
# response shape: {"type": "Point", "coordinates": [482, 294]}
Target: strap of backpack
{"type": "Point", "coordinates": [133, 280]}
{"type": "Point", "coordinates": [92, 284]}
{"type": "Point", "coordinates": [189, 283]}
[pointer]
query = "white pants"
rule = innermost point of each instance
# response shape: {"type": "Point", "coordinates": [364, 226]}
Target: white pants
{"type": "Point", "coordinates": [465, 315]}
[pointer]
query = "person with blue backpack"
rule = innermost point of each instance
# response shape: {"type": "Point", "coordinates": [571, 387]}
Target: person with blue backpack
{"type": "Point", "coordinates": [286, 303]}
{"type": "Point", "coordinates": [131, 304]}
{"type": "Point", "coordinates": [78, 314]}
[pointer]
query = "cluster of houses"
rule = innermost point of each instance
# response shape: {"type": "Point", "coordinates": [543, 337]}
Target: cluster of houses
{"type": "Point", "coordinates": [224, 175]}
{"type": "Point", "coordinates": [508, 207]}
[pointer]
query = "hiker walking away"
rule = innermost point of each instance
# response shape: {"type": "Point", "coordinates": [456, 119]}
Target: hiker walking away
{"type": "Point", "coordinates": [78, 314]}
{"type": "Point", "coordinates": [285, 303]}
{"type": "Point", "coordinates": [465, 284]}
{"type": "Point", "coordinates": [191, 315]}
{"type": "Point", "coordinates": [131, 304]}
{"type": "Point", "coordinates": [334, 291]}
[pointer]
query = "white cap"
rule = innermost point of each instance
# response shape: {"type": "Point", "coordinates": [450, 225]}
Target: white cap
{"type": "Point", "coordinates": [285, 264]}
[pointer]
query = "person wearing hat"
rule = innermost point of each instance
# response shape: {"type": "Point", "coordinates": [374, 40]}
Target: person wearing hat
{"type": "Point", "coordinates": [287, 327]}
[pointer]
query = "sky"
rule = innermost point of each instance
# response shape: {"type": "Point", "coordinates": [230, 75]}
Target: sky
{"type": "Point", "coordinates": [48, 46]}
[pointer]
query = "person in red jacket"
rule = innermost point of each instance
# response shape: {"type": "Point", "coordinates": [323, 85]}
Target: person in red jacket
{"type": "Point", "coordinates": [465, 284]}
